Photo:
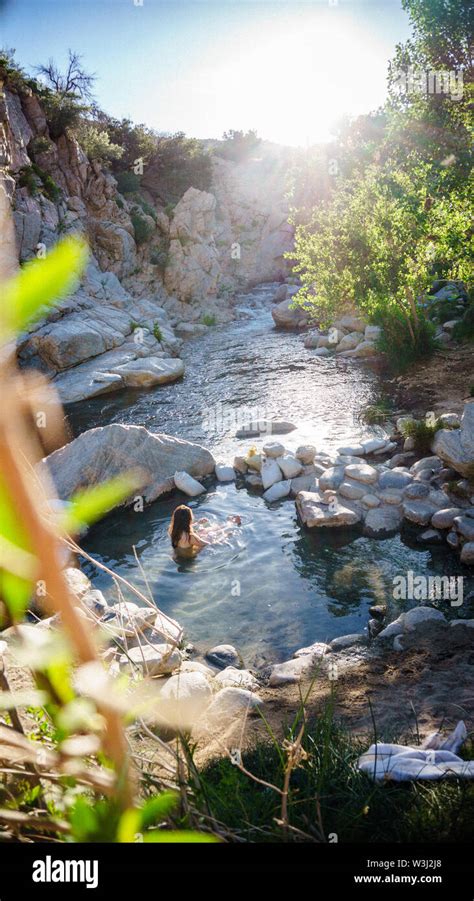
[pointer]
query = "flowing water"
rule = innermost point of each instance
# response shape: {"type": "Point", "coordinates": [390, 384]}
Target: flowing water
{"type": "Point", "coordinates": [273, 586]}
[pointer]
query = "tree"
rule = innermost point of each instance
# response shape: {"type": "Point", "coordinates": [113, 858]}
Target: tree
{"type": "Point", "coordinates": [75, 81]}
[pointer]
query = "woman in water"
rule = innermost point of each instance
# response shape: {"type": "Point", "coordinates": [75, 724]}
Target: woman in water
{"type": "Point", "coordinates": [183, 536]}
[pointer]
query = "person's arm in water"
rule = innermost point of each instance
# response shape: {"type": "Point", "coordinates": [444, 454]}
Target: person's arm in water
{"type": "Point", "coordinates": [197, 541]}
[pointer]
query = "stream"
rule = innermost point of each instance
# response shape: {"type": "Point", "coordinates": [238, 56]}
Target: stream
{"type": "Point", "coordinates": [273, 586]}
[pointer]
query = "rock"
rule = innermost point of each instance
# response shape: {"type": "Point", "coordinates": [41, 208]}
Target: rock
{"type": "Point", "coordinates": [145, 373]}
{"type": "Point", "coordinates": [419, 512]}
{"type": "Point", "coordinates": [351, 450]}
{"type": "Point", "coordinates": [302, 483]}
{"type": "Point", "coordinates": [290, 466]}
{"type": "Point", "coordinates": [223, 655]}
{"type": "Point", "coordinates": [464, 525]}
{"type": "Point", "coordinates": [187, 484]}
{"type": "Point", "coordinates": [231, 704]}
{"type": "Point", "coordinates": [270, 473]}
{"type": "Point", "coordinates": [311, 340]}
{"type": "Point", "coordinates": [346, 641]}
{"type": "Point", "coordinates": [400, 460]}
{"type": "Point", "coordinates": [362, 472]}
{"type": "Point", "coordinates": [230, 677]}
{"type": "Point", "coordinates": [409, 444]}
{"type": "Point", "coordinates": [94, 600]}
{"type": "Point", "coordinates": [391, 497]}
{"type": "Point", "coordinates": [387, 449]}
{"type": "Point", "coordinates": [372, 332]}
{"type": "Point", "coordinates": [452, 539]}
{"type": "Point", "coordinates": [430, 536]}
{"type": "Point", "coordinates": [286, 317]}
{"type": "Point", "coordinates": [364, 350]}
{"type": "Point", "coordinates": [315, 515]}
{"type": "Point", "coordinates": [468, 623]}
{"type": "Point", "coordinates": [432, 463]}
{"type": "Point", "coordinates": [349, 342]}
{"type": "Point", "coordinates": [395, 478]}
{"type": "Point", "coordinates": [77, 581]}
{"type": "Point", "coordinates": [322, 352]}
{"type": "Point", "coordinates": [254, 480]}
{"type": "Point", "coordinates": [254, 461]}
{"type": "Point", "coordinates": [351, 489]}
{"type": "Point", "coordinates": [450, 420]}
{"type": "Point", "coordinates": [443, 519]}
{"type": "Point", "coordinates": [382, 520]}
{"type": "Point", "coordinates": [331, 478]}
{"type": "Point", "coordinates": [467, 553]}
{"type": "Point", "coordinates": [153, 660]}
{"type": "Point", "coordinates": [240, 465]}
{"type": "Point", "coordinates": [370, 501]}
{"type": "Point", "coordinates": [225, 473]}
{"type": "Point", "coordinates": [371, 445]}
{"type": "Point", "coordinates": [456, 446]}
{"type": "Point", "coordinates": [318, 649]}
{"type": "Point", "coordinates": [416, 491]}
{"type": "Point", "coordinates": [350, 323]}
{"type": "Point", "coordinates": [188, 330]}
{"type": "Point", "coordinates": [277, 491]}
{"type": "Point", "coordinates": [306, 453]}
{"type": "Point", "coordinates": [294, 670]}
{"type": "Point", "coordinates": [111, 450]}
{"type": "Point", "coordinates": [274, 450]}
{"type": "Point", "coordinates": [449, 326]}
{"type": "Point", "coordinates": [280, 294]}
{"type": "Point", "coordinates": [410, 620]}
{"type": "Point", "coordinates": [184, 697]}
{"type": "Point", "coordinates": [402, 421]}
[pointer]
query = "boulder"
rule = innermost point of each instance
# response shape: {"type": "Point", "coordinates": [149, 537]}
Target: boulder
{"type": "Point", "coordinates": [277, 491]}
{"type": "Point", "coordinates": [431, 463]}
{"type": "Point", "coordinates": [187, 484]}
{"type": "Point", "coordinates": [274, 449]}
{"type": "Point", "coordinates": [372, 332]}
{"type": "Point", "coordinates": [351, 450]}
{"type": "Point", "coordinates": [467, 553]}
{"type": "Point", "coordinates": [364, 350]}
{"type": "Point", "coordinates": [322, 352]}
{"type": "Point", "coordinates": [294, 670]}
{"type": "Point", "coordinates": [362, 472]}
{"type": "Point", "coordinates": [349, 342]}
{"type": "Point", "coordinates": [331, 478]}
{"type": "Point", "coordinates": [149, 371]}
{"type": "Point", "coordinates": [347, 641]}
{"type": "Point", "coordinates": [112, 450]}
{"type": "Point", "coordinates": [350, 323]}
{"type": "Point", "coordinates": [416, 491]}
{"type": "Point", "coordinates": [311, 340]}
{"type": "Point", "coordinates": [371, 501]}
{"type": "Point", "coordinates": [306, 453]}
{"type": "Point", "coordinates": [314, 514]}
{"type": "Point", "coordinates": [353, 490]}
{"type": "Point", "coordinates": [456, 446]}
{"type": "Point", "coordinates": [419, 512]}
{"type": "Point", "coordinates": [225, 473]}
{"type": "Point", "coordinates": [286, 317]}
{"type": "Point", "coordinates": [371, 445]}
{"type": "Point", "coordinates": [382, 520]}
{"type": "Point", "coordinates": [230, 677]}
{"type": "Point", "coordinates": [464, 525]}
{"type": "Point", "coordinates": [302, 483]}
{"type": "Point", "coordinates": [290, 466]}
{"type": "Point", "coordinates": [395, 478]}
{"type": "Point", "coordinates": [184, 697]}
{"type": "Point", "coordinates": [223, 655]}
{"type": "Point", "coordinates": [443, 519]}
{"type": "Point", "coordinates": [270, 473]}
{"type": "Point", "coordinates": [231, 704]}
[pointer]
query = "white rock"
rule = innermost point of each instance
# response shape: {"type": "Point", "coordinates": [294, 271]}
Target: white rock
{"type": "Point", "coordinates": [225, 473]}
{"type": "Point", "coordinates": [362, 472]}
{"type": "Point", "coordinates": [223, 655]}
{"type": "Point", "coordinates": [322, 351]}
{"type": "Point", "coordinates": [305, 453]}
{"type": "Point", "coordinates": [370, 445]}
{"type": "Point", "coordinates": [314, 514]}
{"type": "Point", "coordinates": [294, 670]}
{"type": "Point", "coordinates": [346, 641]}
{"type": "Point", "coordinates": [274, 449]}
{"type": "Point", "coordinates": [331, 478]}
{"type": "Point", "coordinates": [372, 332]}
{"type": "Point", "coordinates": [187, 484]}
{"type": "Point", "coordinates": [382, 520]}
{"type": "Point", "coordinates": [230, 704]}
{"type": "Point", "coordinates": [277, 491]}
{"type": "Point", "coordinates": [351, 489]}
{"type": "Point", "coordinates": [443, 519]}
{"type": "Point", "coordinates": [371, 501]}
{"type": "Point", "coordinates": [351, 450]}
{"type": "Point", "coordinates": [270, 473]}
{"type": "Point", "coordinates": [153, 660]}
{"type": "Point", "coordinates": [230, 677]}
{"type": "Point", "coordinates": [318, 649]}
{"type": "Point", "coordinates": [184, 697]}
{"type": "Point", "coordinates": [290, 466]}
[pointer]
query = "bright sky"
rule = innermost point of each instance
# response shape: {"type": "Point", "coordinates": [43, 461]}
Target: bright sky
{"type": "Point", "coordinates": [288, 69]}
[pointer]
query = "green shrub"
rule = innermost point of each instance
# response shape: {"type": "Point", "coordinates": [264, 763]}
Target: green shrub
{"type": "Point", "coordinates": [38, 145]}
{"type": "Point", "coordinates": [169, 208]}
{"type": "Point", "coordinates": [28, 179]}
{"type": "Point", "coordinates": [403, 340]}
{"type": "Point", "coordinates": [62, 112]}
{"type": "Point", "coordinates": [157, 332]}
{"type": "Point", "coordinates": [471, 390]}
{"type": "Point", "coordinates": [464, 330]}
{"type": "Point", "coordinates": [375, 414]}
{"type": "Point", "coordinates": [35, 179]}
{"type": "Point", "coordinates": [96, 143]}
{"type": "Point", "coordinates": [142, 228]}
{"type": "Point", "coordinates": [127, 182]}
{"type": "Point", "coordinates": [208, 319]}
{"type": "Point", "coordinates": [119, 202]}
{"type": "Point", "coordinates": [145, 206]}
{"type": "Point", "coordinates": [422, 432]}
{"type": "Point", "coordinates": [159, 258]}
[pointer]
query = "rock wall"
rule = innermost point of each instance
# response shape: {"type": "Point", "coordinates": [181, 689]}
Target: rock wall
{"type": "Point", "coordinates": [183, 275]}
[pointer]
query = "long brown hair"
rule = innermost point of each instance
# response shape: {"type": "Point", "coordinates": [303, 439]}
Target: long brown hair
{"type": "Point", "coordinates": [181, 521]}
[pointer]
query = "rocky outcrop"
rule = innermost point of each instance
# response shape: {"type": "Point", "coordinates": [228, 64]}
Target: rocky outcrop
{"type": "Point", "coordinates": [456, 446]}
{"type": "Point", "coordinates": [99, 454]}
{"type": "Point", "coordinates": [183, 273]}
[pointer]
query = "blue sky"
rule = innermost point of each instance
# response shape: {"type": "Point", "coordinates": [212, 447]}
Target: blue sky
{"type": "Point", "coordinates": [288, 69]}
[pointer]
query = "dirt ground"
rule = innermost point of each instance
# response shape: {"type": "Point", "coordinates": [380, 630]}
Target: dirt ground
{"type": "Point", "coordinates": [440, 384]}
